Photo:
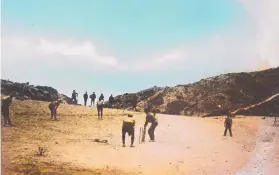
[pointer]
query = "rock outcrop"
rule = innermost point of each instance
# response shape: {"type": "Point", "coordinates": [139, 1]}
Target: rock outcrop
{"type": "Point", "coordinates": [40, 93]}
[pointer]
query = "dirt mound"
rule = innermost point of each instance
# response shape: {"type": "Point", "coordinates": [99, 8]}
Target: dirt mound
{"type": "Point", "coordinates": [211, 96]}
{"type": "Point", "coordinates": [41, 93]}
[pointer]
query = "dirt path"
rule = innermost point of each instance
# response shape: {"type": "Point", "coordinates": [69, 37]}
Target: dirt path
{"type": "Point", "coordinates": [184, 145]}
{"type": "Point", "coordinates": [265, 157]}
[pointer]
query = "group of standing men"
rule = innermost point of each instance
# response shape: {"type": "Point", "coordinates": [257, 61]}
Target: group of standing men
{"type": "Point", "coordinates": [100, 102]}
{"type": "Point", "coordinates": [92, 97]}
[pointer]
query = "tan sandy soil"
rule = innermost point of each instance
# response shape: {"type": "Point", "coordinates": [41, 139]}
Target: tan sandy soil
{"type": "Point", "coordinates": [184, 145]}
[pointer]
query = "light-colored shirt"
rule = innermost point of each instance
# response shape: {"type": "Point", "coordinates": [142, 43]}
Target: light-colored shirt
{"type": "Point", "coordinates": [100, 102]}
{"type": "Point", "coordinates": [7, 101]}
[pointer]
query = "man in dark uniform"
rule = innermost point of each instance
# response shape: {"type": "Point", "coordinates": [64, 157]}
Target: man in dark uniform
{"type": "Point", "coordinates": [85, 97]}
{"type": "Point", "coordinates": [93, 97]}
{"type": "Point", "coordinates": [228, 124]}
{"type": "Point", "coordinates": [111, 100]}
{"type": "Point", "coordinates": [135, 101]}
{"type": "Point", "coordinates": [74, 97]}
{"type": "Point", "coordinates": [129, 127]}
{"type": "Point", "coordinates": [5, 109]}
{"type": "Point", "coordinates": [102, 97]}
{"type": "Point", "coordinates": [150, 118]}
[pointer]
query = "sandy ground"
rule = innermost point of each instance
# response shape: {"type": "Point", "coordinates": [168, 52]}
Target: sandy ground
{"type": "Point", "coordinates": [184, 145]}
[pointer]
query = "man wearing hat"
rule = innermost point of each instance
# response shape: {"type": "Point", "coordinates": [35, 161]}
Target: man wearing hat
{"type": "Point", "coordinates": [53, 108]}
{"type": "Point", "coordinates": [5, 109]}
{"type": "Point", "coordinates": [129, 127]}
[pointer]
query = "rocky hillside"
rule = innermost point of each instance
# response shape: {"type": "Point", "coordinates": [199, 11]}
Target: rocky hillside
{"type": "Point", "coordinates": [266, 108]}
{"type": "Point", "coordinates": [127, 100]}
{"type": "Point", "coordinates": [210, 96]}
{"type": "Point", "coordinates": [41, 93]}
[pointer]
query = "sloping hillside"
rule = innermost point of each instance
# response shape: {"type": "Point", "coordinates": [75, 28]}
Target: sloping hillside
{"type": "Point", "coordinates": [214, 95]}
{"type": "Point", "coordinates": [127, 100]}
{"type": "Point", "coordinates": [269, 107]}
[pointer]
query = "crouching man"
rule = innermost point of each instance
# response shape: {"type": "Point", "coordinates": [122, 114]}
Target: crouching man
{"type": "Point", "coordinates": [53, 109]}
{"type": "Point", "coordinates": [129, 127]}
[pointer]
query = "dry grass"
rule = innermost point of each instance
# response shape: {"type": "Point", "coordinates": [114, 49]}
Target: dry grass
{"type": "Point", "coordinates": [33, 127]}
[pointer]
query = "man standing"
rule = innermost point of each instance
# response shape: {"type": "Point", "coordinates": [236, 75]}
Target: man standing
{"type": "Point", "coordinates": [53, 109]}
{"type": "Point", "coordinates": [102, 97]}
{"type": "Point", "coordinates": [100, 105]}
{"type": "Point", "coordinates": [5, 109]}
{"type": "Point", "coordinates": [85, 97]}
{"type": "Point", "coordinates": [111, 100]}
{"type": "Point", "coordinates": [135, 101]}
{"type": "Point", "coordinates": [150, 118]}
{"type": "Point", "coordinates": [129, 127]}
{"type": "Point", "coordinates": [93, 97]}
{"type": "Point", "coordinates": [74, 97]}
{"type": "Point", "coordinates": [23, 89]}
{"type": "Point", "coordinates": [228, 125]}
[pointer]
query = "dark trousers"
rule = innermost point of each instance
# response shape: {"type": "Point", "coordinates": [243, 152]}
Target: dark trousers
{"type": "Point", "coordinates": [53, 114]}
{"type": "Point", "coordinates": [74, 99]}
{"type": "Point", "coordinates": [6, 114]}
{"type": "Point", "coordinates": [226, 129]}
{"type": "Point", "coordinates": [100, 112]}
{"type": "Point", "coordinates": [131, 132]}
{"type": "Point", "coordinates": [110, 104]}
{"type": "Point", "coordinates": [85, 101]}
{"type": "Point", "coordinates": [151, 130]}
{"type": "Point", "coordinates": [92, 102]}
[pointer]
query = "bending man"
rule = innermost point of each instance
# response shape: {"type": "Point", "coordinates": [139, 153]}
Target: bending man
{"type": "Point", "coordinates": [129, 127]}
{"type": "Point", "coordinates": [53, 109]}
{"type": "Point", "coordinates": [150, 118]}
{"type": "Point", "coordinates": [5, 109]}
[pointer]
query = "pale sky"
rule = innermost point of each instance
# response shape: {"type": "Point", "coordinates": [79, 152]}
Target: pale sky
{"type": "Point", "coordinates": [114, 47]}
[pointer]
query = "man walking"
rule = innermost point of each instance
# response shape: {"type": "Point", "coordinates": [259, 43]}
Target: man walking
{"type": "Point", "coordinates": [5, 109]}
{"type": "Point", "coordinates": [93, 97]}
{"type": "Point", "coordinates": [128, 126]}
{"type": "Point", "coordinates": [150, 118]}
{"type": "Point", "coordinates": [85, 97]}
{"type": "Point", "coordinates": [228, 124]}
